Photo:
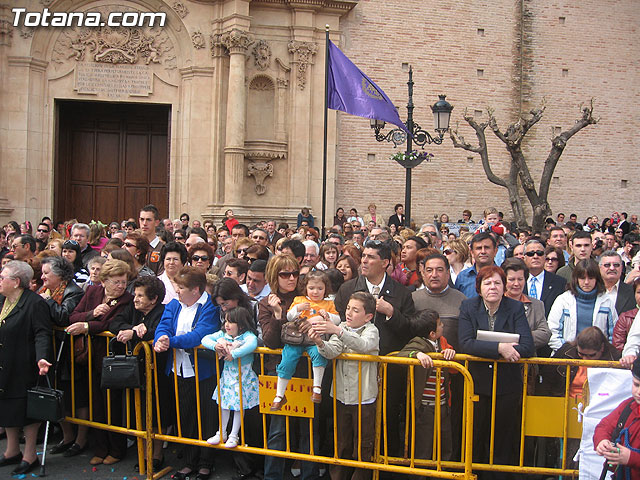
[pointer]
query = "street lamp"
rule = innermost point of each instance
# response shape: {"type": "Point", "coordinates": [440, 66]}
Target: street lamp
{"type": "Point", "coordinates": [441, 116]}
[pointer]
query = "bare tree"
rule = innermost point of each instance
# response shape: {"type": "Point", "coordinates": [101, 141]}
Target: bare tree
{"type": "Point", "coordinates": [519, 173]}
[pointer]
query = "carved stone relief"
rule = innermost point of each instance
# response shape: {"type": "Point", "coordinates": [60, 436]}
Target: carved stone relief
{"type": "Point", "coordinates": [260, 171]}
{"type": "Point", "coordinates": [180, 9]}
{"type": "Point", "coordinates": [6, 26]}
{"type": "Point", "coordinates": [262, 55]}
{"type": "Point", "coordinates": [304, 52]}
{"type": "Point", "coordinates": [235, 41]}
{"type": "Point", "coordinates": [198, 39]}
{"type": "Point", "coordinates": [115, 45]}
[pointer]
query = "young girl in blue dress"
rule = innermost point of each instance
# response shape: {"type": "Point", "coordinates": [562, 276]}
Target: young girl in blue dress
{"type": "Point", "coordinates": [235, 342]}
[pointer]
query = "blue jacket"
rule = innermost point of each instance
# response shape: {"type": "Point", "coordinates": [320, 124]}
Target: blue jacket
{"type": "Point", "coordinates": [206, 321]}
{"type": "Point", "coordinates": [466, 282]}
{"type": "Point", "coordinates": [510, 318]}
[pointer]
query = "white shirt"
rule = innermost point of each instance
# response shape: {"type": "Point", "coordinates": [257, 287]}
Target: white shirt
{"type": "Point", "coordinates": [539, 282]}
{"type": "Point", "coordinates": [263, 293]}
{"type": "Point", "coordinates": [170, 291]}
{"type": "Point", "coordinates": [154, 242]}
{"type": "Point", "coordinates": [371, 285]}
{"type": "Point", "coordinates": [184, 325]}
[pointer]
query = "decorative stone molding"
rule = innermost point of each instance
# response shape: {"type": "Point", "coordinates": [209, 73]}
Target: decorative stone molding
{"type": "Point", "coordinates": [262, 55]}
{"type": "Point", "coordinates": [6, 26]}
{"type": "Point", "coordinates": [265, 150]}
{"type": "Point", "coordinates": [304, 51]}
{"type": "Point", "coordinates": [261, 83]}
{"type": "Point", "coordinates": [235, 41]}
{"type": "Point", "coordinates": [198, 40]}
{"type": "Point", "coordinates": [27, 32]}
{"type": "Point", "coordinates": [180, 9]}
{"type": "Point", "coordinates": [260, 172]}
{"type": "Point", "coordinates": [115, 45]}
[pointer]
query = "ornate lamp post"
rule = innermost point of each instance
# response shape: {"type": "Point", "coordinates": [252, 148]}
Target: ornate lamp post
{"type": "Point", "coordinates": [441, 116]}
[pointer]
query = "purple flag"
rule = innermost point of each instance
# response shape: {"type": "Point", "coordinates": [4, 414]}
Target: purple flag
{"type": "Point", "coordinates": [350, 90]}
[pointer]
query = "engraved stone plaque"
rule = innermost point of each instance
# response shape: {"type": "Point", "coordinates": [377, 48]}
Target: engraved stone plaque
{"type": "Point", "coordinates": [114, 81]}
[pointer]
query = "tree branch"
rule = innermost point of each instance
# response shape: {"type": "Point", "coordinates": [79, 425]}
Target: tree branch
{"type": "Point", "coordinates": [558, 145]}
{"type": "Point", "coordinates": [481, 149]}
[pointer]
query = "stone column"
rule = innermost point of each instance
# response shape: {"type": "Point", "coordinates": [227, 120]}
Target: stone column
{"type": "Point", "coordinates": [236, 41]}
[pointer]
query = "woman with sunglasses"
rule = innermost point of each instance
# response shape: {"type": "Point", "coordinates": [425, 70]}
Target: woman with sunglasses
{"type": "Point", "coordinates": [553, 259]}
{"type": "Point", "coordinates": [201, 256]}
{"type": "Point", "coordinates": [458, 253]}
{"type": "Point", "coordinates": [585, 304]}
{"type": "Point", "coordinates": [138, 247]}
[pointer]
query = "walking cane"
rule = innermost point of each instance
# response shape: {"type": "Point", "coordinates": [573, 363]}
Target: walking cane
{"type": "Point", "coordinates": [43, 472]}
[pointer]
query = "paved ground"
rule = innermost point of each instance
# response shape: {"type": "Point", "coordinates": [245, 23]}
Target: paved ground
{"type": "Point", "coordinates": [78, 468]}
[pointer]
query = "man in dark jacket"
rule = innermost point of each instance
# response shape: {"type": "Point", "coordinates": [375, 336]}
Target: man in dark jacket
{"type": "Point", "coordinates": [394, 309]}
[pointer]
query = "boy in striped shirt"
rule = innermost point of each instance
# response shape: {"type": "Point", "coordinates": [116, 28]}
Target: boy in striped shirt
{"type": "Point", "coordinates": [429, 339]}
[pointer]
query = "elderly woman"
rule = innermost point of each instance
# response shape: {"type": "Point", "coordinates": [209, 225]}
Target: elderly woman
{"type": "Point", "coordinates": [492, 311]}
{"type": "Point", "coordinates": [585, 304]}
{"type": "Point", "coordinates": [25, 335]}
{"type": "Point", "coordinates": [71, 251]}
{"type": "Point", "coordinates": [174, 257]}
{"type": "Point", "coordinates": [94, 313]}
{"type": "Point", "coordinates": [372, 216]}
{"type": "Point", "coordinates": [138, 247]}
{"type": "Point", "coordinates": [201, 256]}
{"type": "Point", "coordinates": [62, 295]}
{"type": "Point", "coordinates": [94, 266]}
{"type": "Point", "coordinates": [138, 322]}
{"type": "Point", "coordinates": [516, 273]}
{"type": "Point", "coordinates": [282, 275]}
{"type": "Point", "coordinates": [184, 322]}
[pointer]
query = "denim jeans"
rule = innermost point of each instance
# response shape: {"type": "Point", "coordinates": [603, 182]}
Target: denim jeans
{"type": "Point", "coordinates": [299, 442]}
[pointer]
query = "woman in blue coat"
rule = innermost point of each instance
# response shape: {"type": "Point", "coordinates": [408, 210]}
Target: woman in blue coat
{"type": "Point", "coordinates": [186, 320]}
{"type": "Point", "coordinates": [492, 311]}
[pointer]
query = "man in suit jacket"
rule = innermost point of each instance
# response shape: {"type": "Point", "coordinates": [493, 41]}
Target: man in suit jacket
{"type": "Point", "coordinates": [273, 234]}
{"type": "Point", "coordinates": [542, 285]}
{"type": "Point", "coordinates": [394, 310]}
{"type": "Point", "coordinates": [397, 218]}
{"type": "Point", "coordinates": [611, 268]}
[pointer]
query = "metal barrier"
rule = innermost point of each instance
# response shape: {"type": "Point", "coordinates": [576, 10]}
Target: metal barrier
{"type": "Point", "coordinates": [459, 468]}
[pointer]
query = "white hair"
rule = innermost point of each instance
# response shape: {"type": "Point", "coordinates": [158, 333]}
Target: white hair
{"type": "Point", "coordinates": [311, 243]}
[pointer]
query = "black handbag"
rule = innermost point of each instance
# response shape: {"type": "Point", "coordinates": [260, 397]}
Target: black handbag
{"type": "Point", "coordinates": [45, 403]}
{"type": "Point", "coordinates": [122, 371]}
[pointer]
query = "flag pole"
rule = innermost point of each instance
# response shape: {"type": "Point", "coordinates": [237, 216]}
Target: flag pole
{"type": "Point", "coordinates": [326, 110]}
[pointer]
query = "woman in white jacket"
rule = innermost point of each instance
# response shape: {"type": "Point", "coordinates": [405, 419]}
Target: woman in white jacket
{"type": "Point", "coordinates": [586, 303]}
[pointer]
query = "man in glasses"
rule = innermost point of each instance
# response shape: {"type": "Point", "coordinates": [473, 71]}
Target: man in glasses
{"type": "Point", "coordinates": [23, 248]}
{"type": "Point", "coordinates": [611, 268]}
{"type": "Point", "coordinates": [261, 237]}
{"type": "Point", "coordinates": [42, 232]}
{"type": "Point", "coordinates": [541, 285]}
{"type": "Point", "coordinates": [80, 233]}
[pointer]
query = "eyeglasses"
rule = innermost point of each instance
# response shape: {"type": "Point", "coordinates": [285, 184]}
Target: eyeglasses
{"type": "Point", "coordinates": [551, 259]}
{"type": "Point", "coordinates": [40, 230]}
{"type": "Point", "coordinates": [448, 251]}
{"type": "Point", "coordinates": [251, 259]}
{"type": "Point", "coordinates": [70, 242]}
{"type": "Point", "coordinates": [200, 258]}
{"type": "Point", "coordinates": [539, 253]}
{"type": "Point", "coordinates": [285, 275]}
{"type": "Point", "coordinates": [118, 283]}
{"type": "Point", "coordinates": [373, 243]}
{"type": "Point", "coordinates": [178, 237]}
{"type": "Point", "coordinates": [129, 245]}
{"type": "Point", "coordinates": [610, 265]}
{"type": "Point", "coordinates": [242, 251]}
{"type": "Point", "coordinates": [4, 277]}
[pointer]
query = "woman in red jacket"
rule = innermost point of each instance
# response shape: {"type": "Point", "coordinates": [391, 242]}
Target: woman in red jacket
{"type": "Point", "coordinates": [622, 452]}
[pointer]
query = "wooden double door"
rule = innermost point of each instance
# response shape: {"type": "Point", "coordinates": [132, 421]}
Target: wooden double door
{"type": "Point", "coordinates": [111, 159]}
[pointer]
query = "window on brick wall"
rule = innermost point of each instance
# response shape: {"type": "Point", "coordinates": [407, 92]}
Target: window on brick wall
{"type": "Point", "coordinates": [477, 113]}
{"type": "Point", "coordinates": [565, 72]}
{"type": "Point", "coordinates": [480, 72]}
{"type": "Point", "coordinates": [481, 32]}
{"type": "Point", "coordinates": [561, 20]}
{"type": "Point", "coordinates": [405, 67]}
{"type": "Point", "coordinates": [469, 160]}
{"type": "Point", "coordinates": [557, 131]}
{"type": "Point", "coordinates": [371, 157]}
{"type": "Point", "coordinates": [555, 181]}
{"type": "Point", "coordinates": [624, 184]}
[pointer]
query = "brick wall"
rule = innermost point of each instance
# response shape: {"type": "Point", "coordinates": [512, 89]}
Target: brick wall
{"type": "Point", "coordinates": [501, 55]}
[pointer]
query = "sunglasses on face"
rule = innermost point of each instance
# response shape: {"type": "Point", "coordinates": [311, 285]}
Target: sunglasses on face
{"type": "Point", "coordinates": [285, 275]}
{"type": "Point", "coordinates": [242, 251]}
{"type": "Point", "coordinates": [551, 259]}
{"type": "Point", "coordinates": [448, 251]}
{"type": "Point", "coordinates": [200, 258]}
{"type": "Point", "coordinates": [539, 253]}
{"type": "Point", "coordinates": [40, 230]}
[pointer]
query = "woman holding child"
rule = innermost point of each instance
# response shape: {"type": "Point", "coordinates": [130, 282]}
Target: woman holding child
{"type": "Point", "coordinates": [492, 311]}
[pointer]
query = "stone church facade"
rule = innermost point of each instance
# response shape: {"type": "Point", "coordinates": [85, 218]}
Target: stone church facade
{"type": "Point", "coordinates": [223, 106]}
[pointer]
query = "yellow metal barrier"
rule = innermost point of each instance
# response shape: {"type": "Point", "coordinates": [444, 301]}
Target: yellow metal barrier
{"type": "Point", "coordinates": [459, 468]}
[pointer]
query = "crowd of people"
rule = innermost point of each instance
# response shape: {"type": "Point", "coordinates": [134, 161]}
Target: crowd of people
{"type": "Point", "coordinates": [369, 285]}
